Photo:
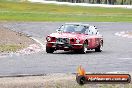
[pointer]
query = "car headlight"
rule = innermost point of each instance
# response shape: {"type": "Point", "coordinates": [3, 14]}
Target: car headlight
{"type": "Point", "coordinates": [48, 39]}
{"type": "Point", "coordinates": [77, 41]}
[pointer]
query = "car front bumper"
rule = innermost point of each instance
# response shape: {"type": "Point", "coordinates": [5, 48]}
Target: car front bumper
{"type": "Point", "coordinates": [62, 46]}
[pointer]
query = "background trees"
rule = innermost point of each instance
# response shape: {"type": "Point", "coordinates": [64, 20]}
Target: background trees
{"type": "Point", "coordinates": [117, 2]}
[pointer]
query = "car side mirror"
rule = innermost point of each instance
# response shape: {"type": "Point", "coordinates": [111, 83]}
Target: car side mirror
{"type": "Point", "coordinates": [58, 30]}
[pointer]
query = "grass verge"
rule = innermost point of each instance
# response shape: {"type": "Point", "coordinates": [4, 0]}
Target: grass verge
{"type": "Point", "coordinates": [52, 81]}
{"type": "Point", "coordinates": [25, 11]}
{"type": "Point", "coordinates": [10, 48]}
{"type": "Point", "coordinates": [11, 41]}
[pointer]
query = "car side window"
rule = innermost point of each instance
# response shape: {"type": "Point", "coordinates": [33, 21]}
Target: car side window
{"type": "Point", "coordinates": [87, 30]}
{"type": "Point", "coordinates": [83, 29]}
{"type": "Point", "coordinates": [93, 30]}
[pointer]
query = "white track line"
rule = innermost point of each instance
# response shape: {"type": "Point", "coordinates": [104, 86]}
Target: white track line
{"type": "Point", "coordinates": [123, 34]}
{"type": "Point", "coordinates": [41, 43]}
{"type": "Point", "coordinates": [126, 58]}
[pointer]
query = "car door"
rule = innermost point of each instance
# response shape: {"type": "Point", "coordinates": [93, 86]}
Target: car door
{"type": "Point", "coordinates": [98, 37]}
{"type": "Point", "coordinates": [93, 39]}
{"type": "Point", "coordinates": [90, 38]}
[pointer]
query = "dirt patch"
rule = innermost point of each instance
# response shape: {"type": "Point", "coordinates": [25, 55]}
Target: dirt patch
{"type": "Point", "coordinates": [12, 41]}
{"type": "Point", "coordinates": [129, 33]}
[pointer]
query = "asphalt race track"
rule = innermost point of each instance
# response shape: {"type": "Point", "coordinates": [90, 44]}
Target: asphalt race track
{"type": "Point", "coordinates": [116, 55]}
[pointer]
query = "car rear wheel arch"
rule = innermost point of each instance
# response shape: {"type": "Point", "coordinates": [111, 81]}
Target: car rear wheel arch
{"type": "Point", "coordinates": [102, 42]}
{"type": "Point", "coordinates": [99, 47]}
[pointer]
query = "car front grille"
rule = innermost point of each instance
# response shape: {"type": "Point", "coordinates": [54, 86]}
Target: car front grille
{"type": "Point", "coordinates": [62, 40]}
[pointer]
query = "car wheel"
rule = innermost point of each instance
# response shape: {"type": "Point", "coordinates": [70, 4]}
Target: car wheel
{"type": "Point", "coordinates": [49, 50]}
{"type": "Point", "coordinates": [99, 48]}
{"type": "Point", "coordinates": [81, 80]}
{"type": "Point", "coordinates": [84, 48]}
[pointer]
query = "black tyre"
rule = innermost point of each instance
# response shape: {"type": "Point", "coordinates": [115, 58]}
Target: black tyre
{"type": "Point", "coordinates": [81, 80]}
{"type": "Point", "coordinates": [49, 50]}
{"type": "Point", "coordinates": [129, 80]}
{"type": "Point", "coordinates": [84, 48]}
{"type": "Point", "coordinates": [99, 48]}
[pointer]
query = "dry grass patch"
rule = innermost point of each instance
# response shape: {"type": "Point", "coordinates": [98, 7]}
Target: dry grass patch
{"type": "Point", "coordinates": [11, 41]}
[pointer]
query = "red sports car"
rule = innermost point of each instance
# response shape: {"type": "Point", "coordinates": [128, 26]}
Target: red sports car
{"type": "Point", "coordinates": [75, 36]}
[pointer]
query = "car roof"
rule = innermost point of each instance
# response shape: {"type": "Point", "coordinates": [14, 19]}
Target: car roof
{"type": "Point", "coordinates": [78, 24]}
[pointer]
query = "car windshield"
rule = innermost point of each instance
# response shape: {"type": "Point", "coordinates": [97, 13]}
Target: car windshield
{"type": "Point", "coordinates": [73, 28]}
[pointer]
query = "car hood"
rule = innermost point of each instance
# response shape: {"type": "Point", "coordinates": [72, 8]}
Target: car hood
{"type": "Point", "coordinates": [68, 35]}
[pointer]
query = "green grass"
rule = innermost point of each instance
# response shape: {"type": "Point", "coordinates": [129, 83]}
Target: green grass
{"type": "Point", "coordinates": [10, 48]}
{"type": "Point", "coordinates": [16, 11]}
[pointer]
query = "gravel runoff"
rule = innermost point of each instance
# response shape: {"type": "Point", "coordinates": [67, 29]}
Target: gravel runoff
{"type": "Point", "coordinates": [31, 44]}
{"type": "Point", "coordinates": [46, 81]}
